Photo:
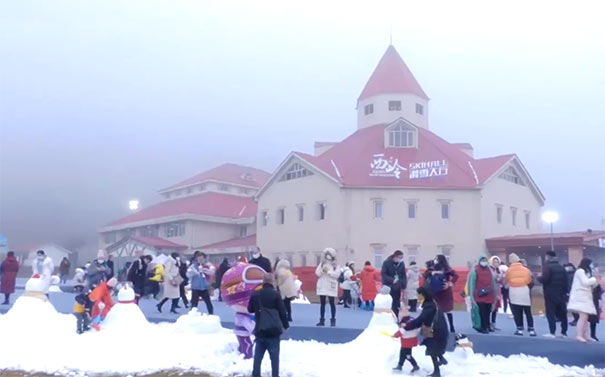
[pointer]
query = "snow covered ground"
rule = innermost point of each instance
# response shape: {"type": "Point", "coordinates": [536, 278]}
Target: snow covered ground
{"type": "Point", "coordinates": [36, 338]}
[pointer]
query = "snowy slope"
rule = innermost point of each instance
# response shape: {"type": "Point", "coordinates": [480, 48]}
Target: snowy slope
{"type": "Point", "coordinates": [36, 338]}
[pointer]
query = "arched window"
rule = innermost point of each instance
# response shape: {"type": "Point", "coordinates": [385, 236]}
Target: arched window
{"type": "Point", "coordinates": [401, 136]}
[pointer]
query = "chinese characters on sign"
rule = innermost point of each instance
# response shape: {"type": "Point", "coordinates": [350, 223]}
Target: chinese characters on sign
{"type": "Point", "coordinates": [382, 167]}
{"type": "Point", "coordinates": [390, 167]}
{"type": "Point", "coordinates": [428, 169]}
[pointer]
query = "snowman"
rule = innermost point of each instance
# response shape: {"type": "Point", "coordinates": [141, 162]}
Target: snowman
{"type": "Point", "coordinates": [36, 287]}
{"type": "Point", "coordinates": [125, 313]}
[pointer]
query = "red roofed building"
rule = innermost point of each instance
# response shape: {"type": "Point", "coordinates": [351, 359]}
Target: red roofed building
{"type": "Point", "coordinates": [212, 207]}
{"type": "Point", "coordinates": [394, 184]}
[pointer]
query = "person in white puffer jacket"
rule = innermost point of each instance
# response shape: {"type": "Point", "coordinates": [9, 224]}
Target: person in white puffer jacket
{"type": "Point", "coordinates": [581, 300]}
{"type": "Point", "coordinates": [327, 274]}
{"type": "Point", "coordinates": [347, 274]}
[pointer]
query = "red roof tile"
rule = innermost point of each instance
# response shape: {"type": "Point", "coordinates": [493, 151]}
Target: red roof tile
{"type": "Point", "coordinates": [157, 242]}
{"type": "Point", "coordinates": [228, 173]}
{"type": "Point", "coordinates": [205, 204]}
{"type": "Point", "coordinates": [391, 75]}
{"type": "Point", "coordinates": [353, 169]}
{"type": "Point", "coordinates": [544, 239]}
{"type": "Point", "coordinates": [234, 242]}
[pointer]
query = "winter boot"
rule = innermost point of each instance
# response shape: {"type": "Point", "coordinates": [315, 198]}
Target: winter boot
{"type": "Point", "coordinates": [363, 306]}
{"type": "Point", "coordinates": [371, 308]}
{"type": "Point", "coordinates": [442, 360]}
{"type": "Point", "coordinates": [416, 368]}
{"type": "Point", "coordinates": [159, 307]}
{"type": "Point", "coordinates": [398, 368]}
{"type": "Point", "coordinates": [321, 323]}
{"type": "Point", "coordinates": [333, 322]}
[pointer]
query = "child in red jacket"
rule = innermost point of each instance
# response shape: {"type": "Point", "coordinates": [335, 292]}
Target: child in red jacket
{"type": "Point", "coordinates": [409, 339]}
{"type": "Point", "coordinates": [102, 301]}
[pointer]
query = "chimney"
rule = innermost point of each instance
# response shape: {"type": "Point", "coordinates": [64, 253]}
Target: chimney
{"type": "Point", "coordinates": [321, 147]}
{"type": "Point", "coordinates": [466, 148]}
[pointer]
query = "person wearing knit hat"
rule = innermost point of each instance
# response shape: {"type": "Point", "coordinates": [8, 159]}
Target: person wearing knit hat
{"type": "Point", "coordinates": [98, 270]}
{"type": "Point", "coordinates": [518, 278]}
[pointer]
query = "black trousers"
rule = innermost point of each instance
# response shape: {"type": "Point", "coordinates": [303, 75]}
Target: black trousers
{"type": "Point", "coordinates": [396, 295]}
{"type": "Point", "coordinates": [505, 298]}
{"type": "Point", "coordinates": [288, 305]}
{"type": "Point", "coordinates": [406, 354]}
{"type": "Point", "coordinates": [518, 311]}
{"type": "Point", "coordinates": [413, 304]}
{"type": "Point", "coordinates": [484, 312]}
{"type": "Point", "coordinates": [322, 307]}
{"type": "Point", "coordinates": [195, 299]}
{"type": "Point", "coordinates": [556, 310]}
{"type": "Point", "coordinates": [182, 293]}
{"type": "Point", "coordinates": [266, 344]}
{"type": "Point", "coordinates": [82, 322]}
{"type": "Point", "coordinates": [346, 297]}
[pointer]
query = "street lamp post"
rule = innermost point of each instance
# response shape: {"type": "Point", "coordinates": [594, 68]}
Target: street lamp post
{"type": "Point", "coordinates": [551, 217]}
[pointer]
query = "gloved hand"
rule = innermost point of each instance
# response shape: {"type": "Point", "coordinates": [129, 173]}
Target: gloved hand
{"type": "Point", "coordinates": [101, 306]}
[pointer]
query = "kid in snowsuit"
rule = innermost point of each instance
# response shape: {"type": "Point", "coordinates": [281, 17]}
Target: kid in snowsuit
{"type": "Point", "coordinates": [409, 340]}
{"type": "Point", "coordinates": [82, 307]}
{"type": "Point", "coordinates": [102, 301]}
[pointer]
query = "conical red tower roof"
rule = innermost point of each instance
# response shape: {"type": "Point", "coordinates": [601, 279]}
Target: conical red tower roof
{"type": "Point", "coordinates": [391, 75]}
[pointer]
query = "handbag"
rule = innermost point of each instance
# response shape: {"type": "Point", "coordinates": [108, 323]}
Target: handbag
{"type": "Point", "coordinates": [428, 331]}
{"type": "Point", "coordinates": [269, 323]}
{"type": "Point", "coordinates": [482, 292]}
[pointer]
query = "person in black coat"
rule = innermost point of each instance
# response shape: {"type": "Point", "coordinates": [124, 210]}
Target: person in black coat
{"type": "Point", "coordinates": [267, 302]}
{"type": "Point", "coordinates": [222, 268]}
{"type": "Point", "coordinates": [260, 261]}
{"type": "Point", "coordinates": [111, 266]}
{"type": "Point", "coordinates": [183, 266]}
{"type": "Point", "coordinates": [555, 285]}
{"type": "Point", "coordinates": [394, 277]}
{"type": "Point", "coordinates": [433, 318]}
{"type": "Point", "coordinates": [137, 275]}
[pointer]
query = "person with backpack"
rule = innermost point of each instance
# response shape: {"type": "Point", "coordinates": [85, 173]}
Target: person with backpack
{"type": "Point", "coordinates": [433, 327]}
{"type": "Point", "coordinates": [270, 322]}
{"type": "Point", "coordinates": [443, 279]}
{"type": "Point", "coordinates": [346, 280]}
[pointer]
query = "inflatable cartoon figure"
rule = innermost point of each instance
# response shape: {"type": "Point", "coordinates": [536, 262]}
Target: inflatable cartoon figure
{"type": "Point", "coordinates": [238, 284]}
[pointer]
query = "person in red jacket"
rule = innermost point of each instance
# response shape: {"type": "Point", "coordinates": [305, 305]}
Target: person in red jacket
{"type": "Point", "coordinates": [369, 279]}
{"type": "Point", "coordinates": [9, 270]}
{"type": "Point", "coordinates": [102, 301]}
{"type": "Point", "coordinates": [409, 340]}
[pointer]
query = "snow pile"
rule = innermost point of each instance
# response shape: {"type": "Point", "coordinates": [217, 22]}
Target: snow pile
{"type": "Point", "coordinates": [129, 344]}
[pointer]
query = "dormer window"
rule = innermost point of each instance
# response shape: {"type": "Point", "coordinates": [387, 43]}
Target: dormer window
{"type": "Point", "coordinates": [368, 109]}
{"type": "Point", "coordinates": [295, 171]}
{"type": "Point", "coordinates": [401, 135]}
{"type": "Point", "coordinates": [511, 175]}
{"type": "Point", "coordinates": [394, 105]}
{"type": "Point", "coordinates": [247, 177]}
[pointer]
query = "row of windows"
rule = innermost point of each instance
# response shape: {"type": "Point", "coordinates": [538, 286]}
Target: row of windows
{"type": "Point", "coordinates": [412, 209]}
{"type": "Point", "coordinates": [203, 187]}
{"type": "Point", "coordinates": [281, 214]}
{"type": "Point", "coordinates": [513, 216]}
{"type": "Point", "coordinates": [393, 106]}
{"type": "Point", "coordinates": [295, 171]}
{"type": "Point", "coordinates": [176, 229]}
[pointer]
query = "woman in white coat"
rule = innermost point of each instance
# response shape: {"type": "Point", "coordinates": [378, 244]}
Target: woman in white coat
{"type": "Point", "coordinates": [327, 285]}
{"type": "Point", "coordinates": [172, 281]}
{"type": "Point", "coordinates": [44, 267]}
{"type": "Point", "coordinates": [286, 285]}
{"type": "Point", "coordinates": [413, 284]}
{"type": "Point", "coordinates": [580, 298]}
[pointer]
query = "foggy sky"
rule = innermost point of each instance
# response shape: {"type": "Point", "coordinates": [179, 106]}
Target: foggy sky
{"type": "Point", "coordinates": [102, 102]}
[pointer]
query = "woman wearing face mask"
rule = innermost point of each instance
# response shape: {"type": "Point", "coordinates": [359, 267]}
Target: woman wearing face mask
{"type": "Point", "coordinates": [393, 276]}
{"type": "Point", "coordinates": [444, 296]}
{"type": "Point", "coordinates": [327, 285]}
{"type": "Point", "coordinates": [434, 329]}
{"type": "Point", "coordinates": [581, 299]}
{"type": "Point", "coordinates": [482, 287]}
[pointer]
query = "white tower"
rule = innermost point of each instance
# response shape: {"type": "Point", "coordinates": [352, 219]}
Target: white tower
{"type": "Point", "coordinates": [392, 92]}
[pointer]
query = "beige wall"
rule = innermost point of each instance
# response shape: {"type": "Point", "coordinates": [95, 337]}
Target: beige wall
{"type": "Point", "coordinates": [382, 114]}
{"type": "Point", "coordinates": [500, 192]}
{"type": "Point", "coordinates": [428, 231]}
{"type": "Point", "coordinates": [311, 235]}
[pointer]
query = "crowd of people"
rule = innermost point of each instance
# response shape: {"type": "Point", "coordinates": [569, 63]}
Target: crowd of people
{"type": "Point", "coordinates": [491, 285]}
